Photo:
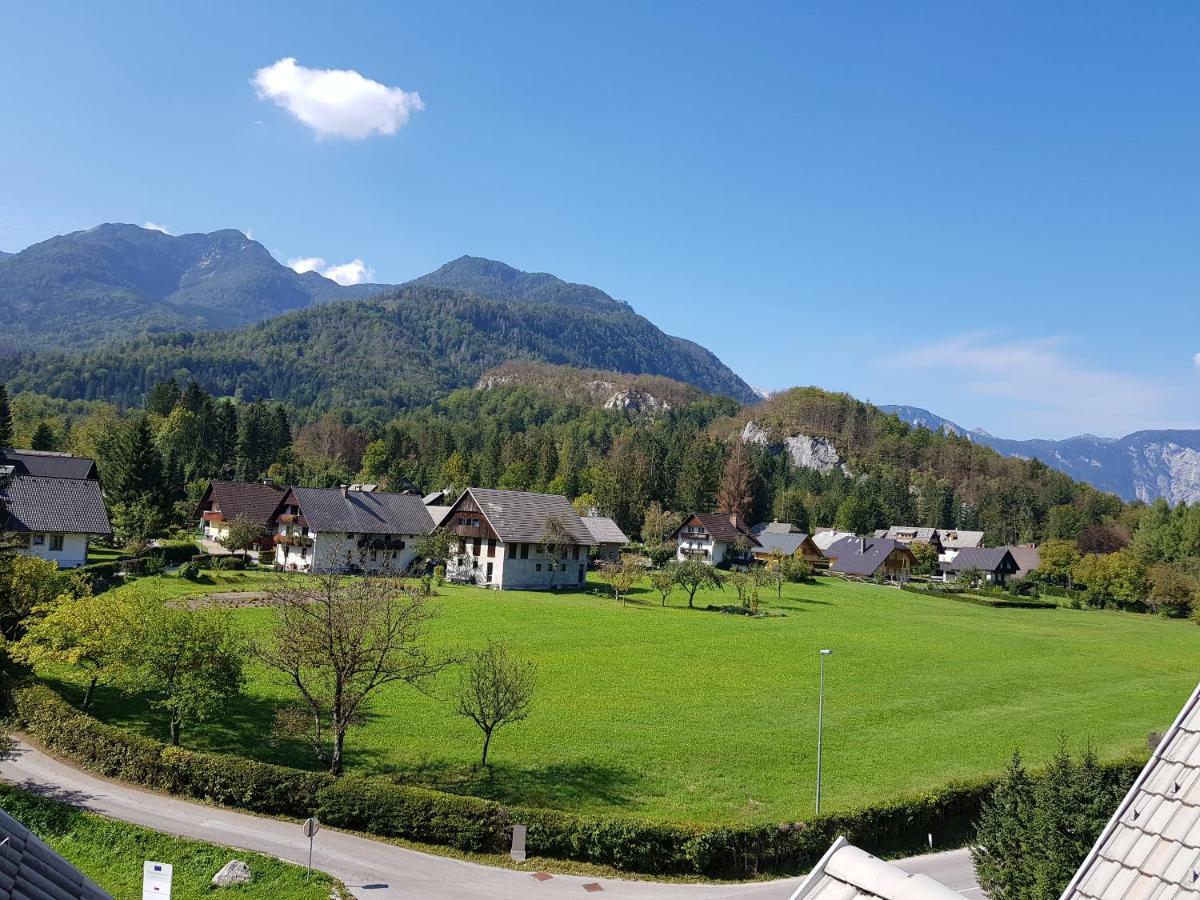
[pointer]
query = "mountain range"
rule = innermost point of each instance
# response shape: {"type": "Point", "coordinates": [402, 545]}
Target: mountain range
{"type": "Point", "coordinates": [104, 313]}
{"type": "Point", "coordinates": [1144, 465]}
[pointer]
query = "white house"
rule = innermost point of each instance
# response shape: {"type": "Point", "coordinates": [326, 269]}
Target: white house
{"type": "Point", "coordinates": [714, 538]}
{"type": "Point", "coordinates": [58, 517]}
{"type": "Point", "coordinates": [505, 540]}
{"type": "Point", "coordinates": [224, 501]}
{"type": "Point", "coordinates": [336, 529]}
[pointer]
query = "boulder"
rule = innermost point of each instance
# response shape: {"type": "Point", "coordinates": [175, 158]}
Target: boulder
{"type": "Point", "coordinates": [233, 872]}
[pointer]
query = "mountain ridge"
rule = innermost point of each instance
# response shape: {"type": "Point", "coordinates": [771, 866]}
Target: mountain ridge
{"type": "Point", "coordinates": [1143, 465]}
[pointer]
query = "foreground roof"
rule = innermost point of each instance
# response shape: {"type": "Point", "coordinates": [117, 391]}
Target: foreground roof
{"type": "Point", "coordinates": [1151, 846]}
{"type": "Point", "coordinates": [862, 556]}
{"type": "Point", "coordinates": [56, 505]}
{"type": "Point", "coordinates": [364, 512]}
{"type": "Point", "coordinates": [957, 539]}
{"type": "Point", "coordinates": [847, 873]}
{"type": "Point", "coordinates": [605, 530]}
{"type": "Point", "coordinates": [29, 868]}
{"type": "Point", "coordinates": [985, 559]}
{"type": "Point", "coordinates": [522, 515]}
{"type": "Point", "coordinates": [48, 464]}
{"type": "Point", "coordinates": [246, 499]}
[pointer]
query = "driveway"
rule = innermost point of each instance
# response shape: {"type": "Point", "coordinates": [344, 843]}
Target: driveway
{"type": "Point", "coordinates": [382, 871]}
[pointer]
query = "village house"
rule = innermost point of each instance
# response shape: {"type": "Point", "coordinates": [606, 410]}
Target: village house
{"type": "Point", "coordinates": [224, 501]}
{"type": "Point", "coordinates": [343, 529]}
{"type": "Point", "coordinates": [912, 534]}
{"type": "Point", "coordinates": [825, 538]}
{"type": "Point", "coordinates": [55, 518]}
{"type": "Point", "coordinates": [609, 537]}
{"type": "Point", "coordinates": [955, 539]}
{"type": "Point", "coordinates": [517, 540]}
{"type": "Point", "coordinates": [714, 538]}
{"type": "Point", "coordinates": [994, 565]}
{"type": "Point", "coordinates": [48, 464]}
{"type": "Point", "coordinates": [785, 539]}
{"type": "Point", "coordinates": [863, 557]}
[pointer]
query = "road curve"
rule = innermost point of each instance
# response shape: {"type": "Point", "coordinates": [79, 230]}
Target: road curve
{"type": "Point", "coordinates": [382, 871]}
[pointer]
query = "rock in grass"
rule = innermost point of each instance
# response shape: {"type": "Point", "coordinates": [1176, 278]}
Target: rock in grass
{"type": "Point", "coordinates": [233, 872]}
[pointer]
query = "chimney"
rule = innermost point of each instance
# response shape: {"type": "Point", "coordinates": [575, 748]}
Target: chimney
{"type": "Point", "coordinates": [345, 490]}
{"type": "Point", "coordinates": [862, 545]}
{"type": "Point", "coordinates": [733, 519]}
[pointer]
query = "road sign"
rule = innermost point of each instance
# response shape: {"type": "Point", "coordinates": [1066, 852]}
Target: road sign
{"type": "Point", "coordinates": [311, 826]}
{"type": "Point", "coordinates": [518, 843]}
{"type": "Point", "coordinates": [156, 881]}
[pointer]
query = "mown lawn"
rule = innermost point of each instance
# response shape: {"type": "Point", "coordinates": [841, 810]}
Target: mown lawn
{"type": "Point", "coordinates": [111, 853]}
{"type": "Point", "coordinates": [697, 715]}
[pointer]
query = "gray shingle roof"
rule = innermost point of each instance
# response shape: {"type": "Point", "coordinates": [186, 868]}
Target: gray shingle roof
{"type": "Point", "coordinates": [605, 530]}
{"type": "Point", "coordinates": [775, 528]}
{"type": "Point", "coordinates": [47, 464]}
{"type": "Point", "coordinates": [30, 869]}
{"type": "Point", "coordinates": [1151, 844]}
{"type": "Point", "coordinates": [55, 505]}
{"type": "Point", "coordinates": [955, 539]}
{"type": "Point", "coordinates": [521, 516]}
{"type": "Point", "coordinates": [787, 544]}
{"type": "Point", "coordinates": [909, 533]}
{"type": "Point", "coordinates": [362, 512]}
{"type": "Point", "coordinates": [847, 873]}
{"type": "Point", "coordinates": [985, 559]}
{"type": "Point", "coordinates": [861, 556]}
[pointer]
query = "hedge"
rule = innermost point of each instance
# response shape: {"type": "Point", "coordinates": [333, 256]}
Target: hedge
{"type": "Point", "coordinates": [382, 807]}
{"type": "Point", "coordinates": [981, 599]}
{"type": "Point", "coordinates": [175, 551]}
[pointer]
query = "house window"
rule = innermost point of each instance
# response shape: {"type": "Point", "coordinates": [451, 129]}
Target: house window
{"type": "Point", "coordinates": [524, 551]}
{"type": "Point", "coordinates": [538, 567]}
{"type": "Point", "coordinates": [475, 545]}
{"type": "Point", "coordinates": [491, 550]}
{"type": "Point", "coordinates": [489, 573]}
{"type": "Point", "coordinates": [575, 552]}
{"type": "Point", "coordinates": [37, 540]}
{"type": "Point", "coordinates": [56, 542]}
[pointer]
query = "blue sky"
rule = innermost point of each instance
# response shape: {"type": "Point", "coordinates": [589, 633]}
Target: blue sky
{"type": "Point", "coordinates": [989, 210]}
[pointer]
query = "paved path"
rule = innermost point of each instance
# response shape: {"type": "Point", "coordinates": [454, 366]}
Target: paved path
{"type": "Point", "coordinates": [378, 870]}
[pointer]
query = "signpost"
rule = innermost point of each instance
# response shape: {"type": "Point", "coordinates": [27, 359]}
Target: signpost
{"type": "Point", "coordinates": [156, 881]}
{"type": "Point", "coordinates": [518, 843]}
{"type": "Point", "coordinates": [311, 827]}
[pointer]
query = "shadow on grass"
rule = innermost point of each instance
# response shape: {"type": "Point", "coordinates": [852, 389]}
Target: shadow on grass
{"type": "Point", "coordinates": [554, 785]}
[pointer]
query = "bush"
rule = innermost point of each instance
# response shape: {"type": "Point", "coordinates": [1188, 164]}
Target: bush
{"type": "Point", "coordinates": [174, 552]}
{"type": "Point", "coordinates": [996, 601]}
{"type": "Point", "coordinates": [190, 571]}
{"type": "Point", "coordinates": [114, 753]}
{"type": "Point", "coordinates": [228, 563]}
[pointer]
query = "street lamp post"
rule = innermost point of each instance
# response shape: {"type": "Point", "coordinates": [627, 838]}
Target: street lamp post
{"type": "Point", "coordinates": [821, 725]}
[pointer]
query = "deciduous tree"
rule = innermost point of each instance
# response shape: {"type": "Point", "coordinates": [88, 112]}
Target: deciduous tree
{"type": "Point", "coordinates": [692, 575]}
{"type": "Point", "coordinates": [496, 690]}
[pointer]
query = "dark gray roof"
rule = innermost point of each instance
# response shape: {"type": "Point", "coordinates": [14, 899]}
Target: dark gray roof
{"type": "Point", "coordinates": [861, 556]}
{"type": "Point", "coordinates": [362, 512]}
{"type": "Point", "coordinates": [786, 543]}
{"type": "Point", "coordinates": [521, 516]}
{"type": "Point", "coordinates": [985, 559]}
{"type": "Point", "coordinates": [605, 530]}
{"type": "Point", "coordinates": [54, 505]}
{"type": "Point", "coordinates": [47, 464]}
{"type": "Point", "coordinates": [774, 528]}
{"type": "Point", "coordinates": [30, 869]}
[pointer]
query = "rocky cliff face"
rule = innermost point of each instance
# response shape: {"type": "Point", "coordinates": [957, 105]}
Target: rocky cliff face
{"type": "Point", "coordinates": [1143, 466]}
{"type": "Point", "coordinates": [806, 452]}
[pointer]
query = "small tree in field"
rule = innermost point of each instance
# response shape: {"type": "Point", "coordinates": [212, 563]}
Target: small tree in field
{"type": "Point", "coordinates": [339, 640]}
{"type": "Point", "coordinates": [663, 581]}
{"type": "Point", "coordinates": [556, 543]}
{"type": "Point", "coordinates": [621, 575]}
{"type": "Point", "coordinates": [242, 534]}
{"type": "Point", "coordinates": [496, 690]}
{"type": "Point", "coordinates": [78, 631]}
{"type": "Point", "coordinates": [693, 575]}
{"type": "Point", "coordinates": [772, 574]}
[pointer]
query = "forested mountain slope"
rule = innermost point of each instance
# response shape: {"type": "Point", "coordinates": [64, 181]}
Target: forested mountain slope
{"type": "Point", "coordinates": [114, 280]}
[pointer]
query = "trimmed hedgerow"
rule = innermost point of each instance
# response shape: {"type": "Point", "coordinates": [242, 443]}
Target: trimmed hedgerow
{"type": "Point", "coordinates": [381, 807]}
{"type": "Point", "coordinates": [981, 599]}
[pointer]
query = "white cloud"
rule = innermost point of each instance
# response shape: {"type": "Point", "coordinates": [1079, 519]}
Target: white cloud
{"type": "Point", "coordinates": [1196, 360]}
{"type": "Point", "coordinates": [1049, 393]}
{"type": "Point", "coordinates": [304, 264]}
{"type": "Point", "coordinates": [354, 272]}
{"type": "Point", "coordinates": [154, 226]}
{"type": "Point", "coordinates": [336, 102]}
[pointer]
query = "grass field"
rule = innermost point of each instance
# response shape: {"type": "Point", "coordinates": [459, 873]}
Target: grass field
{"type": "Point", "coordinates": [696, 715]}
{"type": "Point", "coordinates": [111, 854]}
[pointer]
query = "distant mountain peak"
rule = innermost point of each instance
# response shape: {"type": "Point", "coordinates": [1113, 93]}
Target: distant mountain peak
{"type": "Point", "coordinates": [496, 280]}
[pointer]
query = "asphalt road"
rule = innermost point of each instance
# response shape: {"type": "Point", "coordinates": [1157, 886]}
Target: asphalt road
{"type": "Point", "coordinates": [381, 871]}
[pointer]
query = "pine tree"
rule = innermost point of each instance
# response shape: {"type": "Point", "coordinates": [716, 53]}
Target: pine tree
{"type": "Point", "coordinates": [1002, 855]}
{"type": "Point", "coordinates": [136, 471]}
{"type": "Point", "coordinates": [163, 397]}
{"type": "Point", "coordinates": [6, 421]}
{"type": "Point", "coordinates": [43, 438]}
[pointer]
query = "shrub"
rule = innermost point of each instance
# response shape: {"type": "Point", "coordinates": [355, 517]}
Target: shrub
{"type": "Point", "coordinates": [228, 563]}
{"type": "Point", "coordinates": [190, 571]}
{"type": "Point", "coordinates": [996, 601]}
{"type": "Point", "coordinates": [174, 552]}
